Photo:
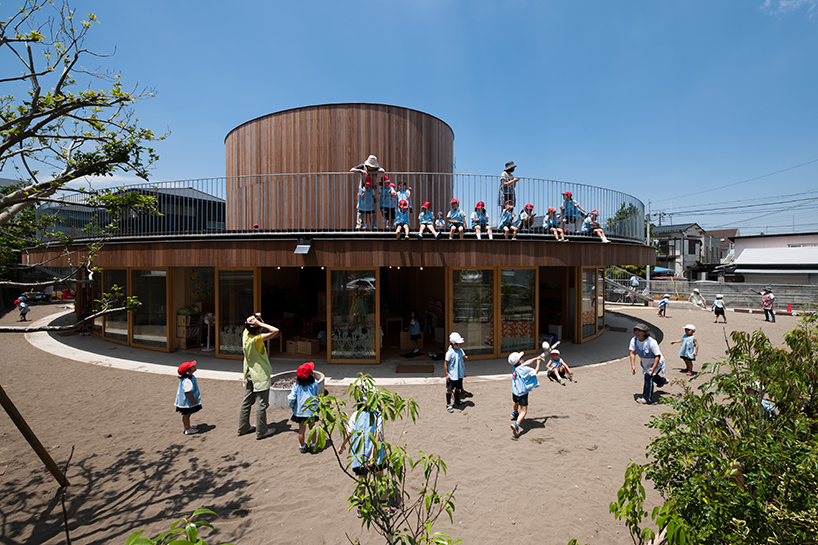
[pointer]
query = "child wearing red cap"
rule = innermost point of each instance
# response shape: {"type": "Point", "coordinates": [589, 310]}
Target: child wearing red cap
{"type": "Point", "coordinates": [591, 226]}
{"type": "Point", "coordinates": [456, 219]}
{"type": "Point", "coordinates": [188, 398]}
{"type": "Point", "coordinates": [402, 219]}
{"type": "Point", "coordinates": [480, 220]}
{"type": "Point", "coordinates": [426, 220]}
{"type": "Point", "coordinates": [387, 201]}
{"type": "Point", "coordinates": [571, 211]}
{"type": "Point", "coordinates": [365, 203]}
{"type": "Point", "coordinates": [553, 225]}
{"type": "Point", "coordinates": [527, 217]}
{"type": "Point", "coordinates": [507, 221]}
{"type": "Point", "coordinates": [304, 389]}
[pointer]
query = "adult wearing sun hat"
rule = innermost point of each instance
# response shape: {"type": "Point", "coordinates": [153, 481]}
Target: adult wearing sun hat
{"type": "Point", "coordinates": [645, 347]}
{"type": "Point", "coordinates": [508, 183]}
{"type": "Point", "coordinates": [257, 374]}
{"type": "Point", "coordinates": [697, 299]}
{"type": "Point", "coordinates": [369, 171]}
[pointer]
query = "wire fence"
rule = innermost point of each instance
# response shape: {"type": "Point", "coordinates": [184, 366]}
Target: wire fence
{"type": "Point", "coordinates": [336, 203]}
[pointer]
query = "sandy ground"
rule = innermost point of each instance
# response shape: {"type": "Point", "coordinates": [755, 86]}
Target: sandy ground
{"type": "Point", "coordinates": [132, 467]}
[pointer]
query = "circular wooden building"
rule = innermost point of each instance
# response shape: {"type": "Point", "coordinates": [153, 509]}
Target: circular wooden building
{"type": "Point", "coordinates": [274, 158]}
{"type": "Point", "coordinates": [336, 137]}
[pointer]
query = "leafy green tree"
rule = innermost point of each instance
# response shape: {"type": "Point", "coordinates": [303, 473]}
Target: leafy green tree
{"type": "Point", "coordinates": [184, 531]}
{"type": "Point", "coordinates": [58, 127]}
{"type": "Point", "coordinates": [384, 499]}
{"type": "Point", "coordinates": [737, 459]}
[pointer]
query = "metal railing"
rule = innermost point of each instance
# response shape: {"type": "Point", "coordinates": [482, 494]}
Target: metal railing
{"type": "Point", "coordinates": [325, 203]}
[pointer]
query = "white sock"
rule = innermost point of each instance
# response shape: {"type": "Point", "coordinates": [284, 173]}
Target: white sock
{"type": "Point", "coordinates": [478, 236]}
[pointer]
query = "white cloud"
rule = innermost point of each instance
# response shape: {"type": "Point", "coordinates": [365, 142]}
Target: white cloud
{"type": "Point", "coordinates": [785, 6]}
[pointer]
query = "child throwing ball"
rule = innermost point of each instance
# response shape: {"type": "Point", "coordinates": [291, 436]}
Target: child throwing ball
{"type": "Point", "coordinates": [523, 380]}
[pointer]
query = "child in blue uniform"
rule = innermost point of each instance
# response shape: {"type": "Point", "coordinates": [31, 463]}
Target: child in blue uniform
{"type": "Point", "coordinates": [571, 211]}
{"type": "Point", "coordinates": [690, 348]}
{"type": "Point", "coordinates": [480, 220]}
{"type": "Point", "coordinates": [523, 380]}
{"type": "Point", "coordinates": [527, 217]}
{"type": "Point", "coordinates": [440, 223]}
{"type": "Point", "coordinates": [304, 389]}
{"type": "Point", "coordinates": [719, 307]}
{"type": "Point", "coordinates": [403, 193]}
{"type": "Point", "coordinates": [553, 225]}
{"type": "Point", "coordinates": [663, 305]}
{"type": "Point", "coordinates": [507, 221]}
{"type": "Point", "coordinates": [365, 200]}
{"type": "Point", "coordinates": [365, 432]}
{"type": "Point", "coordinates": [402, 219]}
{"type": "Point", "coordinates": [188, 398]}
{"type": "Point", "coordinates": [414, 330]}
{"type": "Point", "coordinates": [456, 219]}
{"type": "Point", "coordinates": [591, 226]}
{"type": "Point", "coordinates": [387, 202]}
{"type": "Point", "coordinates": [426, 220]}
{"type": "Point", "coordinates": [23, 307]}
{"type": "Point", "coordinates": [557, 368]}
{"type": "Point", "coordinates": [455, 370]}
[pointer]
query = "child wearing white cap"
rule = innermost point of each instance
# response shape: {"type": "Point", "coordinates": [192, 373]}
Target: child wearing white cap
{"type": "Point", "coordinates": [523, 380]}
{"type": "Point", "coordinates": [719, 307]}
{"type": "Point", "coordinates": [557, 367]}
{"type": "Point", "coordinates": [663, 305]}
{"type": "Point", "coordinates": [690, 348]}
{"type": "Point", "coordinates": [455, 370]}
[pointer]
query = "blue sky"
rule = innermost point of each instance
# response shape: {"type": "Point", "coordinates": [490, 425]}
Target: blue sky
{"type": "Point", "coordinates": [663, 100]}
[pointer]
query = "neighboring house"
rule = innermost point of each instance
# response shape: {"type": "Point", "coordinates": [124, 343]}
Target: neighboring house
{"type": "Point", "coordinates": [681, 246]}
{"type": "Point", "coordinates": [726, 244]}
{"type": "Point", "coordinates": [777, 259]}
{"type": "Point", "coordinates": [182, 209]}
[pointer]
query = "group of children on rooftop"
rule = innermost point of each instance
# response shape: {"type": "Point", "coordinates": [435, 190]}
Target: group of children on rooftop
{"type": "Point", "coordinates": [455, 222]}
{"type": "Point", "coordinates": [395, 205]}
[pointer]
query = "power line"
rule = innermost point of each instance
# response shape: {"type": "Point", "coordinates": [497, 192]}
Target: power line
{"type": "Point", "coordinates": [759, 200]}
{"type": "Point", "coordinates": [741, 182]}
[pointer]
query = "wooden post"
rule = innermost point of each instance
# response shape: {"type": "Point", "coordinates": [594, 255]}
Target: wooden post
{"type": "Point", "coordinates": [38, 447]}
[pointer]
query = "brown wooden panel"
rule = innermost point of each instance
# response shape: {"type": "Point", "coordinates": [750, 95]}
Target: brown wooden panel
{"type": "Point", "coordinates": [262, 252]}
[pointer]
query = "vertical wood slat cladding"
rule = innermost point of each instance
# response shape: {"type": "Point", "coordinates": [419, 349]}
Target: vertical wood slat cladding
{"type": "Point", "coordinates": [327, 138]}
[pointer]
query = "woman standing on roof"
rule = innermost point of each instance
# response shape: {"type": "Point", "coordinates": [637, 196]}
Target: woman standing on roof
{"type": "Point", "coordinates": [507, 184]}
{"type": "Point", "coordinates": [370, 171]}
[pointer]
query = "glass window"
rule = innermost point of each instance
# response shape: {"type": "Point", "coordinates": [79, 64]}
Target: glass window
{"type": "Point", "coordinates": [473, 309]}
{"type": "Point", "coordinates": [96, 295]}
{"type": "Point", "coordinates": [150, 323]}
{"type": "Point", "coordinates": [116, 325]}
{"type": "Point", "coordinates": [600, 300]}
{"type": "Point", "coordinates": [235, 305]}
{"type": "Point", "coordinates": [354, 329]}
{"type": "Point", "coordinates": [517, 304]}
{"type": "Point", "coordinates": [588, 303]}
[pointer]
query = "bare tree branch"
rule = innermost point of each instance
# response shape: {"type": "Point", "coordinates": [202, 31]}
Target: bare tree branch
{"type": "Point", "coordinates": [24, 329]}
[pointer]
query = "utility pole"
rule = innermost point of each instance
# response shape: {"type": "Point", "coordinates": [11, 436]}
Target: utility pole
{"type": "Point", "coordinates": [647, 238]}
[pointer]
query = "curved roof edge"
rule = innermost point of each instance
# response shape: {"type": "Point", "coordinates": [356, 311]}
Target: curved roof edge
{"type": "Point", "coordinates": [334, 104]}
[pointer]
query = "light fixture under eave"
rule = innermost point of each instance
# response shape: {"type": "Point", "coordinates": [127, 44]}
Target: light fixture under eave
{"type": "Point", "coordinates": [303, 246]}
